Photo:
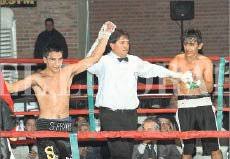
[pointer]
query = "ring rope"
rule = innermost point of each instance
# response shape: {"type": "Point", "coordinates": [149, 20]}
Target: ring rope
{"type": "Point", "coordinates": [141, 86]}
{"type": "Point", "coordinates": [33, 61]}
{"type": "Point", "coordinates": [139, 111]}
{"type": "Point", "coordinates": [103, 135]}
{"type": "Point", "coordinates": [27, 141]}
{"type": "Point", "coordinates": [141, 96]}
{"type": "Point", "coordinates": [167, 59]}
{"type": "Point", "coordinates": [29, 99]}
{"type": "Point", "coordinates": [74, 60]}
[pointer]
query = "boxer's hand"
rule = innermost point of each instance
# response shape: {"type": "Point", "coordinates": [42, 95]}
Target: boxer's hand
{"type": "Point", "coordinates": [187, 77]}
{"type": "Point", "coordinates": [193, 84]}
{"type": "Point", "coordinates": [106, 30]}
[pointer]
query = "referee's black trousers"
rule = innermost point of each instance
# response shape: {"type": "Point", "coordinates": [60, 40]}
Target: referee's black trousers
{"type": "Point", "coordinates": [119, 120]}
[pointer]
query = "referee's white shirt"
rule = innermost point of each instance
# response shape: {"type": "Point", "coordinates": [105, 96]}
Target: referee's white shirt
{"type": "Point", "coordinates": [117, 81]}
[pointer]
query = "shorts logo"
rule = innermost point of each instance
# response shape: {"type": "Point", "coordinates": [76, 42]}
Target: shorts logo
{"type": "Point", "coordinates": [60, 126]}
{"type": "Point", "coordinates": [50, 153]}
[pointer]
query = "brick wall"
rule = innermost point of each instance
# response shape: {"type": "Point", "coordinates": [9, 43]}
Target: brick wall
{"type": "Point", "coordinates": [30, 22]}
{"type": "Point", "coordinates": [152, 31]}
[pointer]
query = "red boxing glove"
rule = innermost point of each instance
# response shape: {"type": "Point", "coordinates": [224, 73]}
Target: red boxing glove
{"type": "Point", "coordinates": [5, 95]}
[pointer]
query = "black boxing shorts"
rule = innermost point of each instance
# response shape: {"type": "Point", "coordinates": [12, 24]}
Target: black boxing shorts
{"type": "Point", "coordinates": [54, 124]}
{"type": "Point", "coordinates": [54, 148]}
{"type": "Point", "coordinates": [196, 112]}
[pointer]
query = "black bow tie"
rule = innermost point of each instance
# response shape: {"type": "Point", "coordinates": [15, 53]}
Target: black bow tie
{"type": "Point", "coordinates": [123, 59]}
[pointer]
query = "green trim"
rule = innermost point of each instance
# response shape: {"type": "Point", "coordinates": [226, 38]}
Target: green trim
{"type": "Point", "coordinates": [219, 115]}
{"type": "Point", "coordinates": [90, 101]}
{"type": "Point", "coordinates": [74, 146]}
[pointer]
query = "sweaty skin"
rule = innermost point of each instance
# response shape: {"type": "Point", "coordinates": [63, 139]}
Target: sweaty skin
{"type": "Point", "coordinates": [200, 66]}
{"type": "Point", "coordinates": [52, 85]}
{"type": "Point", "coordinates": [53, 92]}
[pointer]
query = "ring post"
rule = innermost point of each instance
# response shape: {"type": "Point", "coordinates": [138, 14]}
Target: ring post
{"type": "Point", "coordinates": [90, 83]}
{"type": "Point", "coordinates": [220, 93]}
{"type": "Point", "coordinates": [74, 146]}
{"type": "Point", "coordinates": [90, 101]}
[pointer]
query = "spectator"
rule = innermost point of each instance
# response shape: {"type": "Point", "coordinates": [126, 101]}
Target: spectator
{"type": "Point", "coordinates": [50, 35]}
{"type": "Point", "coordinates": [27, 151]}
{"type": "Point", "coordinates": [88, 150]}
{"type": "Point", "coordinates": [167, 149]}
{"type": "Point", "coordinates": [80, 119]}
{"type": "Point", "coordinates": [148, 148]}
{"type": "Point", "coordinates": [7, 122]}
{"type": "Point", "coordinates": [166, 123]}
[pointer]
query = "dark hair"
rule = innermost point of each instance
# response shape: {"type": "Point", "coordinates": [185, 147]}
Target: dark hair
{"type": "Point", "coordinates": [170, 117]}
{"type": "Point", "coordinates": [49, 20]}
{"type": "Point", "coordinates": [28, 118]}
{"type": "Point", "coordinates": [52, 47]}
{"type": "Point", "coordinates": [193, 33]}
{"type": "Point", "coordinates": [151, 119]}
{"type": "Point", "coordinates": [114, 37]}
{"type": "Point", "coordinates": [166, 116]}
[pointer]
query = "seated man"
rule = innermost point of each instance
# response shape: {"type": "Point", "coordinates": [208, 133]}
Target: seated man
{"type": "Point", "coordinates": [88, 150]}
{"type": "Point", "coordinates": [7, 122]}
{"type": "Point", "coordinates": [27, 151]}
{"type": "Point", "coordinates": [148, 148]}
{"type": "Point", "coordinates": [167, 149]}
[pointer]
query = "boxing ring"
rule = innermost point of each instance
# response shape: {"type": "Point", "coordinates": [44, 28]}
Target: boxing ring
{"type": "Point", "coordinates": [104, 135]}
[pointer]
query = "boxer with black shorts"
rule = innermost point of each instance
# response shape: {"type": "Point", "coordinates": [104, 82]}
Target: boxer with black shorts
{"type": "Point", "coordinates": [52, 90]}
{"type": "Point", "coordinates": [195, 110]}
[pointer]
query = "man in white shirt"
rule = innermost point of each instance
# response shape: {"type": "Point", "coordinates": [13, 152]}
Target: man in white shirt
{"type": "Point", "coordinates": [117, 98]}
